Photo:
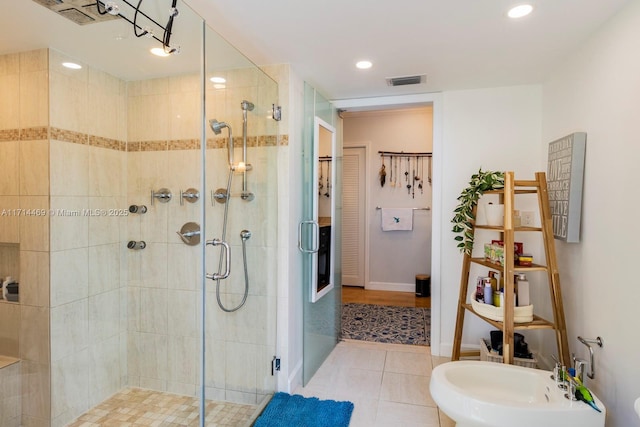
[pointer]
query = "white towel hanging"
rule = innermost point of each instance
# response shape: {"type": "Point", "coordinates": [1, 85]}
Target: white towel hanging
{"type": "Point", "coordinates": [397, 219]}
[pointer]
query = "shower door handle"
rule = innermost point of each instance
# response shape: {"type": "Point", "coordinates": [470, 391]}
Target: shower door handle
{"type": "Point", "coordinates": [225, 245]}
{"type": "Point", "coordinates": [316, 237]}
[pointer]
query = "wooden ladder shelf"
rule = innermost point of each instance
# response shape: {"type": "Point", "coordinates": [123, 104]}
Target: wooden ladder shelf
{"type": "Point", "coordinates": [511, 189]}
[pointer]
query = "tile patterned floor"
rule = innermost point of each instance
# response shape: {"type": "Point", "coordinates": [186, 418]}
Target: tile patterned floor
{"type": "Point", "coordinates": [138, 407]}
{"type": "Point", "coordinates": [388, 384]}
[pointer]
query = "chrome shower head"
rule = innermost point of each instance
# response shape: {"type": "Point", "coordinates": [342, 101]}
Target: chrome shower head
{"type": "Point", "coordinates": [247, 106]}
{"type": "Point", "coordinates": [245, 235]}
{"type": "Point", "coordinates": [217, 126]}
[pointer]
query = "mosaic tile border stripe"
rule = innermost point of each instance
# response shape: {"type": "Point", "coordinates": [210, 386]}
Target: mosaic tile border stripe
{"type": "Point", "coordinates": [112, 144]}
{"type": "Point", "coordinates": [42, 133]}
{"type": "Point", "coordinates": [28, 134]}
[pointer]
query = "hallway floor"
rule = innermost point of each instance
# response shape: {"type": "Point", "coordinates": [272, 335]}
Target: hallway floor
{"type": "Point", "coordinates": [354, 294]}
{"type": "Point", "coordinates": [387, 383]}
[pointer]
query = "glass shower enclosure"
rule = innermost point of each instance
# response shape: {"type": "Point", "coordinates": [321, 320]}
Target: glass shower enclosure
{"type": "Point", "coordinates": [114, 219]}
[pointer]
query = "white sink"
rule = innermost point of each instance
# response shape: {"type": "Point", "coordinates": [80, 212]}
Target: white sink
{"type": "Point", "coordinates": [476, 394]}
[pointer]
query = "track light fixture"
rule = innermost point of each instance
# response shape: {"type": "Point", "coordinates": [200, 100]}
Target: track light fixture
{"type": "Point", "coordinates": [113, 8]}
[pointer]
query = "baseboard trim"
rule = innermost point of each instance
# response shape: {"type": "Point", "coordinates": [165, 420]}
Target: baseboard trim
{"type": "Point", "coordinates": [388, 286]}
{"type": "Point", "coordinates": [446, 349]}
{"type": "Point", "coordinates": [295, 378]}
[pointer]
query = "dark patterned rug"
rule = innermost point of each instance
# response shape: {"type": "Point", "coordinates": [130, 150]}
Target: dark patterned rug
{"type": "Point", "coordinates": [388, 324]}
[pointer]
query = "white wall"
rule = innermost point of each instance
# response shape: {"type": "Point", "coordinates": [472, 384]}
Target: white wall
{"type": "Point", "coordinates": [595, 91]}
{"type": "Point", "coordinates": [289, 336]}
{"type": "Point", "coordinates": [492, 129]}
{"type": "Point", "coordinates": [395, 257]}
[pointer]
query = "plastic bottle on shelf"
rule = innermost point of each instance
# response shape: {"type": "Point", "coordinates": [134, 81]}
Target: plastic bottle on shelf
{"type": "Point", "coordinates": [3, 286]}
{"type": "Point", "coordinates": [494, 281]}
{"type": "Point", "coordinates": [488, 291]}
{"type": "Point", "coordinates": [480, 289]}
{"type": "Point", "coordinates": [523, 291]}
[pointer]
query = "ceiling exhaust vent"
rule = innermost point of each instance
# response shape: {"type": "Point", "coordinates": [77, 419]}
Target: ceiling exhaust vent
{"type": "Point", "coordinates": [81, 12]}
{"type": "Point", "coordinates": [76, 16]}
{"type": "Point", "coordinates": [406, 80]}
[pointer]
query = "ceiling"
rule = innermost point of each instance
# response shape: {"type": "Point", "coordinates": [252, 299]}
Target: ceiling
{"type": "Point", "coordinates": [458, 44]}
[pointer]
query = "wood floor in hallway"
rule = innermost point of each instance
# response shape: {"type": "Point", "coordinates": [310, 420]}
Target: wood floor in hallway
{"type": "Point", "coordinates": [354, 294]}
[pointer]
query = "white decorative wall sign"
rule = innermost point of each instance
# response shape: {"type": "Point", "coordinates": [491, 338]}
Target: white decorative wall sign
{"type": "Point", "coordinates": [565, 174]}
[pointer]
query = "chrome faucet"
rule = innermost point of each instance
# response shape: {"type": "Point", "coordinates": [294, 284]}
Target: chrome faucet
{"type": "Point", "coordinates": [578, 365]}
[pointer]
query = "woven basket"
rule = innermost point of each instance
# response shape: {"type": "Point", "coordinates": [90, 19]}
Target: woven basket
{"type": "Point", "coordinates": [487, 356]}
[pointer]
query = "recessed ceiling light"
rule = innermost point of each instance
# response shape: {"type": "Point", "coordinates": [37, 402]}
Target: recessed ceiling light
{"type": "Point", "coordinates": [72, 65]}
{"type": "Point", "coordinates": [363, 65]}
{"type": "Point", "coordinates": [218, 79]}
{"type": "Point", "coordinates": [158, 51]}
{"type": "Point", "coordinates": [520, 11]}
{"type": "Point", "coordinates": [219, 86]}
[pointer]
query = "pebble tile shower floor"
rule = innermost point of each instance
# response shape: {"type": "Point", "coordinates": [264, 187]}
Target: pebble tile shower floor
{"type": "Point", "coordinates": [138, 407]}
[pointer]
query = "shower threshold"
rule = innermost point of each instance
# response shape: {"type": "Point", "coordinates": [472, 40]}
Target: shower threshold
{"type": "Point", "coordinates": [140, 407]}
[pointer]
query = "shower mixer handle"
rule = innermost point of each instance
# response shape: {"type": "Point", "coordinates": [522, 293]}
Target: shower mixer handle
{"type": "Point", "coordinates": [163, 195]}
{"type": "Point", "coordinates": [190, 233]}
{"type": "Point", "coordinates": [186, 237]}
{"type": "Point", "coordinates": [225, 245]}
{"type": "Point", "coordinates": [191, 195]}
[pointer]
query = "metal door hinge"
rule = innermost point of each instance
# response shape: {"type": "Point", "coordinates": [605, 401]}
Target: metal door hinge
{"type": "Point", "coordinates": [275, 365]}
{"type": "Point", "coordinates": [276, 112]}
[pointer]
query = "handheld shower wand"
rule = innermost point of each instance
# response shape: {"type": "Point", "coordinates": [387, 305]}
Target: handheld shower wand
{"type": "Point", "coordinates": [217, 127]}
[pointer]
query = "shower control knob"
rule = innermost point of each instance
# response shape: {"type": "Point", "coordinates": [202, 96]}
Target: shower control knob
{"type": "Point", "coordinates": [136, 245]}
{"type": "Point", "coordinates": [139, 209]}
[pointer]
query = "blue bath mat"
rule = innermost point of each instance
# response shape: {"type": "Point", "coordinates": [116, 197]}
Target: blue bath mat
{"type": "Point", "coordinates": [285, 410]}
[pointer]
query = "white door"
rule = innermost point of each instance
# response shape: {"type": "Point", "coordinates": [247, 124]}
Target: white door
{"type": "Point", "coordinates": [353, 216]}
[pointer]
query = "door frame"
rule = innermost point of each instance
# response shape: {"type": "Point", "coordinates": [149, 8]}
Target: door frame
{"type": "Point", "coordinates": [314, 294]}
{"type": "Point", "coordinates": [435, 99]}
{"type": "Point", "coordinates": [367, 214]}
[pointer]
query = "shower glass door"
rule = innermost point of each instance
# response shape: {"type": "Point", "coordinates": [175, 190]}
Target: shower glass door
{"type": "Point", "coordinates": [321, 311]}
{"type": "Point", "coordinates": [241, 213]}
{"type": "Point", "coordinates": [112, 164]}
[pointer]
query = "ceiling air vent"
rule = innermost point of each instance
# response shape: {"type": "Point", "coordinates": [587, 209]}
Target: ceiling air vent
{"type": "Point", "coordinates": [81, 12]}
{"type": "Point", "coordinates": [76, 16]}
{"type": "Point", "coordinates": [406, 80]}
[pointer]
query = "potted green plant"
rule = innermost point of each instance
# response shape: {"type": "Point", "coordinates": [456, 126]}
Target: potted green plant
{"type": "Point", "coordinates": [464, 218]}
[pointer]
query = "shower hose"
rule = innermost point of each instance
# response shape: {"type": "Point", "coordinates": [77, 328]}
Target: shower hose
{"type": "Point", "coordinates": [222, 254]}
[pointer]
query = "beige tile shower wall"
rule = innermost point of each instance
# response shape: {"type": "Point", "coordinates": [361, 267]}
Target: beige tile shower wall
{"type": "Point", "coordinates": [88, 221]}
{"type": "Point", "coordinates": [10, 90]}
{"type": "Point", "coordinates": [34, 237]}
{"type": "Point", "coordinates": [24, 160]}
{"type": "Point", "coordinates": [164, 278]}
{"type": "Point", "coordinates": [244, 340]}
{"type": "Point", "coordinates": [10, 395]}
{"type": "Point", "coordinates": [34, 89]}
{"type": "Point", "coordinates": [10, 329]}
